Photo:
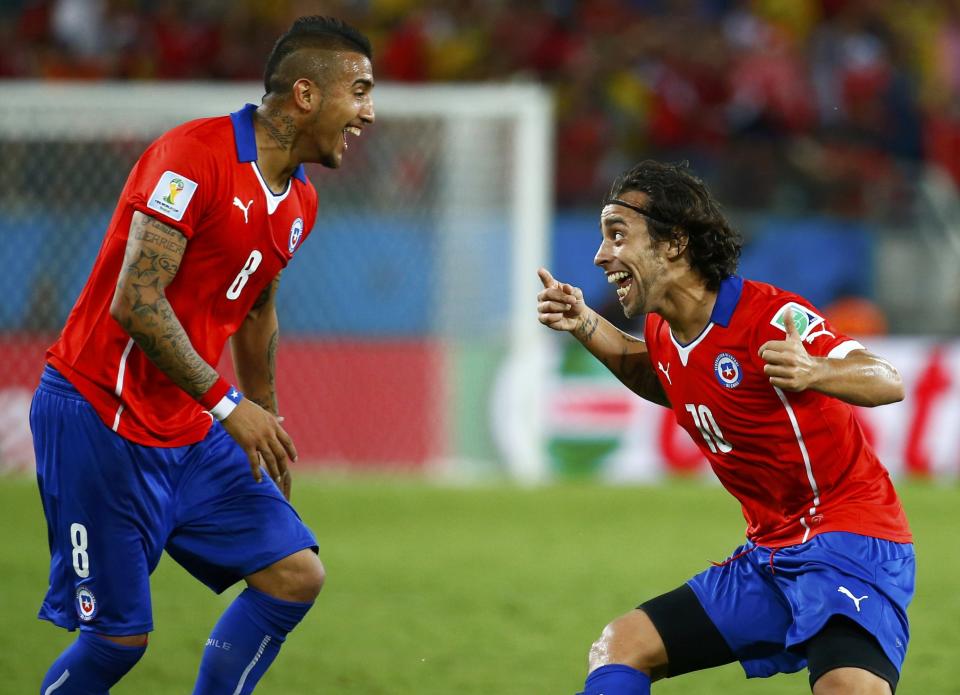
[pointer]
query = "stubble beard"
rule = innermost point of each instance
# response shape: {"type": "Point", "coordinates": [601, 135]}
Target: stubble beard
{"type": "Point", "coordinates": [634, 308]}
{"type": "Point", "coordinates": [330, 160]}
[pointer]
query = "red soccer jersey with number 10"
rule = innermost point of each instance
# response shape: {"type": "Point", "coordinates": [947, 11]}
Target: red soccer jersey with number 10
{"type": "Point", "coordinates": [200, 178]}
{"type": "Point", "coordinates": [798, 462]}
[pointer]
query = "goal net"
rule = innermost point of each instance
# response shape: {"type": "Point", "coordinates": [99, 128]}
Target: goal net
{"type": "Point", "coordinates": [408, 318]}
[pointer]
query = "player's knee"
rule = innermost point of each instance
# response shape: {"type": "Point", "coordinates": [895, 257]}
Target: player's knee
{"type": "Point", "coordinates": [313, 577]}
{"type": "Point", "coordinates": [298, 577]}
{"type": "Point", "coordinates": [632, 640]}
{"type": "Point", "coordinates": [306, 576]}
{"type": "Point", "coordinates": [850, 681]}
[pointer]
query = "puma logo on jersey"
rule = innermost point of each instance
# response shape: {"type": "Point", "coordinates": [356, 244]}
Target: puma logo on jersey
{"type": "Point", "coordinates": [856, 601]}
{"type": "Point", "coordinates": [666, 372]}
{"type": "Point", "coordinates": [246, 209]}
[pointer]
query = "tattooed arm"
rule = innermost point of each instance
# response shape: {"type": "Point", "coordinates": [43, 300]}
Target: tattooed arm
{"type": "Point", "coordinates": [153, 254]}
{"type": "Point", "coordinates": [254, 348]}
{"type": "Point", "coordinates": [152, 259]}
{"type": "Point", "coordinates": [562, 308]}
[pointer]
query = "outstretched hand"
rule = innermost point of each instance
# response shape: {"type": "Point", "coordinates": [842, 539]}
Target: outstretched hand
{"type": "Point", "coordinates": [259, 434]}
{"type": "Point", "coordinates": [788, 365]}
{"type": "Point", "coordinates": [560, 305]}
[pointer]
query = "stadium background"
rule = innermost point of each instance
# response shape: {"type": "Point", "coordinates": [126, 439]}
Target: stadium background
{"type": "Point", "coordinates": [829, 129]}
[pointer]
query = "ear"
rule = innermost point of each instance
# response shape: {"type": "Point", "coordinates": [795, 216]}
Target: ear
{"type": "Point", "coordinates": [305, 94]}
{"type": "Point", "coordinates": [678, 244]}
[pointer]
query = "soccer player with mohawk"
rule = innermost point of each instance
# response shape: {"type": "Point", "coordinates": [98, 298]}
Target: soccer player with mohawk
{"type": "Point", "coordinates": [141, 445]}
{"type": "Point", "coordinates": [764, 385]}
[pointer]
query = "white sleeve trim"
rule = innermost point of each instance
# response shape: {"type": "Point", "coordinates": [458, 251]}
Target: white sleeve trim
{"type": "Point", "coordinates": [844, 349]}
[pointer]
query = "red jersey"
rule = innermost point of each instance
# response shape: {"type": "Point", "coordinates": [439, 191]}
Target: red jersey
{"type": "Point", "coordinates": [202, 179]}
{"type": "Point", "coordinates": [798, 462]}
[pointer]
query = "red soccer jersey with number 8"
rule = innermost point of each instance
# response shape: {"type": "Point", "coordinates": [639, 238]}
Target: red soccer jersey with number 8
{"type": "Point", "coordinates": [200, 178]}
{"type": "Point", "coordinates": [798, 462]}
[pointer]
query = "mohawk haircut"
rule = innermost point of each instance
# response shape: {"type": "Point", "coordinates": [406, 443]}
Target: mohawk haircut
{"type": "Point", "coordinates": [678, 205]}
{"type": "Point", "coordinates": [315, 31]}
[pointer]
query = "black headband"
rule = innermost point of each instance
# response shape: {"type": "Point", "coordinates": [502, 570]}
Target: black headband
{"type": "Point", "coordinates": [637, 209]}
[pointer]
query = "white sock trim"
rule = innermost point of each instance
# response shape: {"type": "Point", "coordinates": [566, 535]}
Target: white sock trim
{"type": "Point", "coordinates": [57, 683]}
{"type": "Point", "coordinates": [253, 662]}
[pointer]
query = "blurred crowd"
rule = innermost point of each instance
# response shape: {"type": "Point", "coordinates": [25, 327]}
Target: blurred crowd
{"type": "Point", "coordinates": [823, 104]}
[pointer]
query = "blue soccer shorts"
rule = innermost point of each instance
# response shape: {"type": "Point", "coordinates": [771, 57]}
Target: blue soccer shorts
{"type": "Point", "coordinates": [113, 507]}
{"type": "Point", "coordinates": [765, 602]}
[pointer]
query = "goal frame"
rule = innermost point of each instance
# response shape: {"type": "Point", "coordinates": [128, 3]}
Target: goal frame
{"type": "Point", "coordinates": [35, 110]}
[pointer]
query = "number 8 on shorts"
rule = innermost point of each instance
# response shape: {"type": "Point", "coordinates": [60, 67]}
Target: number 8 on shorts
{"type": "Point", "coordinates": [81, 561]}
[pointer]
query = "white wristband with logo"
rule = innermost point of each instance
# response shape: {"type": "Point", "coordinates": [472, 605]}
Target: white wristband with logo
{"type": "Point", "coordinates": [226, 404]}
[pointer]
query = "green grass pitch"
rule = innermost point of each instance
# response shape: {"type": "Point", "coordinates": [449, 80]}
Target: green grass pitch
{"type": "Point", "coordinates": [478, 590]}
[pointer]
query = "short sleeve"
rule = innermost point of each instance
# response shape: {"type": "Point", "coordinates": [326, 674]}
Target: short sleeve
{"type": "Point", "coordinates": [174, 181]}
{"type": "Point", "coordinates": [310, 219]}
{"type": "Point", "coordinates": [652, 325]}
{"type": "Point", "coordinates": [819, 337]}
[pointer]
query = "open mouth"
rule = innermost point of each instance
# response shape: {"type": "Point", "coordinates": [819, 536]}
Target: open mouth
{"type": "Point", "coordinates": [623, 280]}
{"type": "Point", "coordinates": [352, 130]}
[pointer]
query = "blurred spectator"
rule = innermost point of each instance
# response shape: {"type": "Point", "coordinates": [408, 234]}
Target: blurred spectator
{"type": "Point", "coordinates": [856, 316]}
{"type": "Point", "coordinates": [773, 100]}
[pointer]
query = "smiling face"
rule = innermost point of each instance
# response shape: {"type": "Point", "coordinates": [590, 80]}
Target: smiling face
{"type": "Point", "coordinates": [633, 262]}
{"type": "Point", "coordinates": [343, 107]}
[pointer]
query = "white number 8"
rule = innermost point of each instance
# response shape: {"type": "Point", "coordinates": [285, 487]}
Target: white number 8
{"type": "Point", "coordinates": [249, 268]}
{"type": "Point", "coordinates": [81, 562]}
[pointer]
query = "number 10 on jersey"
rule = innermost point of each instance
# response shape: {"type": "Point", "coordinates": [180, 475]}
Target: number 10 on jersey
{"type": "Point", "coordinates": [707, 424]}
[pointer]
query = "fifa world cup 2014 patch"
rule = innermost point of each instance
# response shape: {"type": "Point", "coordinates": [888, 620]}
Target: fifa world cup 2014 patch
{"type": "Point", "coordinates": [804, 319]}
{"type": "Point", "coordinates": [172, 195]}
{"type": "Point", "coordinates": [86, 604]}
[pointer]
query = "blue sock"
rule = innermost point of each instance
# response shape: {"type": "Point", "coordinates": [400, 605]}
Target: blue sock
{"type": "Point", "coordinates": [245, 642]}
{"type": "Point", "coordinates": [617, 679]}
{"type": "Point", "coordinates": [90, 666]}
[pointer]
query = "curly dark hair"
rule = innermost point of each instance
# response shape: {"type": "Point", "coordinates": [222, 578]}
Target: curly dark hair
{"type": "Point", "coordinates": [680, 206]}
{"type": "Point", "coordinates": [311, 32]}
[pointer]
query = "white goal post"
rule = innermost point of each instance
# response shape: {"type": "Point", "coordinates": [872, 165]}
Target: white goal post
{"type": "Point", "coordinates": [446, 203]}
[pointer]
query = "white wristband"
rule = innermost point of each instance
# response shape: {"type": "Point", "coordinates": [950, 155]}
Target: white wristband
{"type": "Point", "coordinates": [226, 405]}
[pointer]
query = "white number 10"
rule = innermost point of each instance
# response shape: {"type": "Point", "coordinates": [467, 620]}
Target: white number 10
{"type": "Point", "coordinates": [705, 422]}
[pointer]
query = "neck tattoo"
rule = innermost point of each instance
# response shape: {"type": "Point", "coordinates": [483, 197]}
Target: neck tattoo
{"type": "Point", "coordinates": [280, 127]}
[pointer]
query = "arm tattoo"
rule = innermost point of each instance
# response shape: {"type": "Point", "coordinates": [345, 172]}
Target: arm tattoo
{"type": "Point", "coordinates": [635, 373]}
{"type": "Point", "coordinates": [272, 360]}
{"type": "Point", "coordinates": [151, 261]}
{"type": "Point", "coordinates": [268, 404]}
{"type": "Point", "coordinates": [269, 400]}
{"type": "Point", "coordinates": [586, 328]}
{"type": "Point", "coordinates": [268, 292]}
{"type": "Point", "coordinates": [161, 239]}
{"type": "Point", "coordinates": [256, 368]}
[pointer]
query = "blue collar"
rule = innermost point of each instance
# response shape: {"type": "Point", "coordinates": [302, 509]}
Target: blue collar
{"type": "Point", "coordinates": [727, 298]}
{"type": "Point", "coordinates": [246, 139]}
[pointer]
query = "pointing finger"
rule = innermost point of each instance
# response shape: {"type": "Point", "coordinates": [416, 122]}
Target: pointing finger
{"type": "Point", "coordinates": [546, 278]}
